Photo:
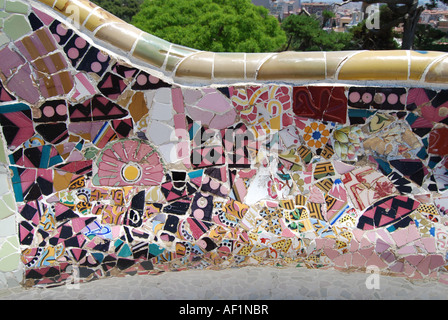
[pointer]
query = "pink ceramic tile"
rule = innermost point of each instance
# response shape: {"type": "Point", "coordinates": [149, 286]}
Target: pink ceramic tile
{"type": "Point", "coordinates": [400, 237]}
{"type": "Point", "coordinates": [223, 121]}
{"type": "Point", "coordinates": [320, 243]}
{"type": "Point", "coordinates": [41, 43]}
{"type": "Point", "coordinates": [10, 61]}
{"type": "Point", "coordinates": [409, 270]}
{"type": "Point", "coordinates": [331, 253]}
{"type": "Point", "coordinates": [375, 260]}
{"type": "Point", "coordinates": [202, 116]}
{"type": "Point", "coordinates": [423, 266]}
{"type": "Point", "coordinates": [45, 18]}
{"type": "Point", "coordinates": [371, 235]}
{"type": "Point", "coordinates": [414, 259]}
{"type": "Point", "coordinates": [413, 233]}
{"type": "Point", "coordinates": [215, 101]}
{"type": "Point", "coordinates": [191, 96]}
{"type": "Point", "coordinates": [397, 267]}
{"type": "Point", "coordinates": [342, 260]}
{"type": "Point", "coordinates": [316, 195]}
{"type": "Point", "coordinates": [330, 243]}
{"type": "Point", "coordinates": [354, 245]}
{"type": "Point", "coordinates": [384, 235]}
{"type": "Point", "coordinates": [23, 86]}
{"type": "Point", "coordinates": [388, 256]}
{"type": "Point", "coordinates": [358, 260]}
{"type": "Point", "coordinates": [430, 244]}
{"type": "Point", "coordinates": [405, 250]}
{"type": "Point", "coordinates": [381, 246]}
{"type": "Point", "coordinates": [436, 261]}
{"type": "Point", "coordinates": [338, 190]}
{"type": "Point", "coordinates": [177, 100]}
{"type": "Point", "coordinates": [342, 168]}
{"type": "Point", "coordinates": [358, 233]}
{"type": "Point", "coordinates": [366, 253]}
{"type": "Point", "coordinates": [365, 242]}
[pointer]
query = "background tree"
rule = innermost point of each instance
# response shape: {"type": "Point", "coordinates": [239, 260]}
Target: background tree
{"type": "Point", "coordinates": [364, 38]}
{"type": "Point", "coordinates": [123, 9]}
{"type": "Point", "coordinates": [327, 15]}
{"type": "Point", "coordinates": [212, 25]}
{"type": "Point", "coordinates": [427, 38]}
{"type": "Point", "coordinates": [304, 33]}
{"type": "Point", "coordinates": [406, 12]}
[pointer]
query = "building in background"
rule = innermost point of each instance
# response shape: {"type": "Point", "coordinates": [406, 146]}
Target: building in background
{"type": "Point", "coordinates": [280, 8]}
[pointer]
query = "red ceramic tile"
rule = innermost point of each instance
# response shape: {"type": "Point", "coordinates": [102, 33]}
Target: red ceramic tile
{"type": "Point", "coordinates": [438, 141]}
{"type": "Point", "coordinates": [320, 103]}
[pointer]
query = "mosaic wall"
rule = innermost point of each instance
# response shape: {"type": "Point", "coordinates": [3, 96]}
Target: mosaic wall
{"type": "Point", "coordinates": [109, 170]}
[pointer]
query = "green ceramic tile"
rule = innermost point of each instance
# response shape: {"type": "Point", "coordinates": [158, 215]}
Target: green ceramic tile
{"type": "Point", "coordinates": [151, 49]}
{"type": "Point", "coordinates": [10, 263]}
{"type": "Point", "coordinates": [16, 7]}
{"type": "Point", "coordinates": [3, 40]}
{"type": "Point", "coordinates": [2, 146]}
{"type": "Point", "coordinates": [10, 201]}
{"type": "Point", "coordinates": [6, 249]}
{"type": "Point", "coordinates": [177, 53]}
{"type": "Point", "coordinates": [9, 254]}
{"type": "Point", "coordinates": [5, 211]}
{"type": "Point", "coordinates": [16, 26]}
{"type": "Point", "coordinates": [8, 226]}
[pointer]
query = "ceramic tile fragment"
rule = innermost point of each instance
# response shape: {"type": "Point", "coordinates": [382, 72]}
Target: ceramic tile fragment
{"type": "Point", "coordinates": [16, 26]}
{"type": "Point", "coordinates": [139, 156]}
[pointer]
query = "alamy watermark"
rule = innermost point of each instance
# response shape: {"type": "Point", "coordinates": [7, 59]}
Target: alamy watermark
{"type": "Point", "coordinates": [371, 15]}
{"type": "Point", "coordinates": [373, 280]}
{"type": "Point", "coordinates": [72, 282]}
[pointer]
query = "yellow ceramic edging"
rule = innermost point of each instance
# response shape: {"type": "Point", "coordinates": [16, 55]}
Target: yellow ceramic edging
{"type": "Point", "coordinates": [189, 65]}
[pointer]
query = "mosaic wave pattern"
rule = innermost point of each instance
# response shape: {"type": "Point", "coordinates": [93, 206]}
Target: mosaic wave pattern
{"type": "Point", "coordinates": [114, 168]}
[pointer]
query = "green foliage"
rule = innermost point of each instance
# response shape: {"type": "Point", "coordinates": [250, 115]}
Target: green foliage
{"type": "Point", "coordinates": [426, 38]}
{"type": "Point", "coordinates": [212, 25]}
{"type": "Point", "coordinates": [305, 34]}
{"type": "Point", "coordinates": [123, 9]}
{"type": "Point", "coordinates": [327, 15]}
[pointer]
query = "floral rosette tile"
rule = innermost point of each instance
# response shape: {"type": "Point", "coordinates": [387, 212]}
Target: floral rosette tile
{"type": "Point", "coordinates": [129, 163]}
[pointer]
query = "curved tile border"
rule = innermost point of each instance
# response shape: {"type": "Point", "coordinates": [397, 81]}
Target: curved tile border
{"type": "Point", "coordinates": [190, 66]}
{"type": "Point", "coordinates": [116, 170]}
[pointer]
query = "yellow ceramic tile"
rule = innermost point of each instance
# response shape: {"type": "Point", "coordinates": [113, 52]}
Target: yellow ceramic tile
{"type": "Point", "coordinates": [100, 17]}
{"type": "Point", "coordinates": [438, 72]}
{"type": "Point", "coordinates": [420, 61]}
{"type": "Point", "coordinates": [176, 54]}
{"type": "Point", "coordinates": [66, 81]}
{"type": "Point", "coordinates": [60, 4]}
{"type": "Point", "coordinates": [138, 107]}
{"type": "Point", "coordinates": [77, 11]}
{"type": "Point", "coordinates": [334, 60]}
{"type": "Point", "coordinates": [47, 2]}
{"type": "Point", "coordinates": [293, 66]}
{"type": "Point", "coordinates": [375, 65]}
{"type": "Point", "coordinates": [121, 35]}
{"type": "Point", "coordinates": [229, 66]}
{"type": "Point", "coordinates": [61, 180]}
{"type": "Point", "coordinates": [197, 66]}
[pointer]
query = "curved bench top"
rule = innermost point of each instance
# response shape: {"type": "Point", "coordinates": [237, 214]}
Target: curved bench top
{"type": "Point", "coordinates": [185, 65]}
